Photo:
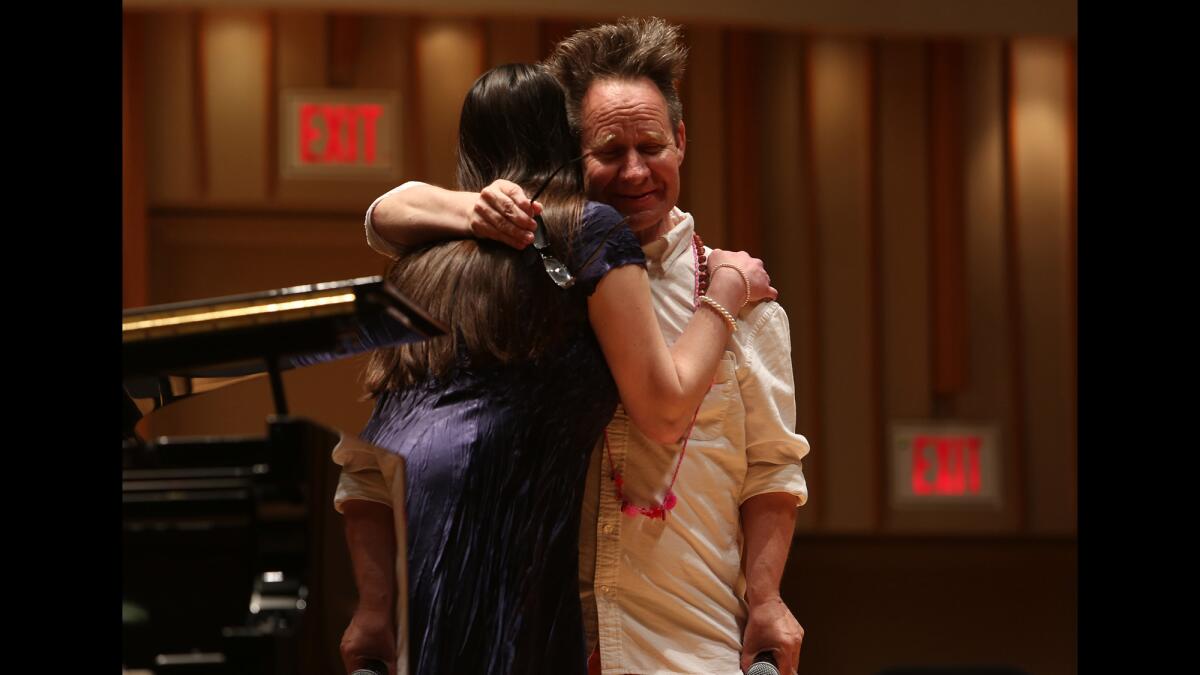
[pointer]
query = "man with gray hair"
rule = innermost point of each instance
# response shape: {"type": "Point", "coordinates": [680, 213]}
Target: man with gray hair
{"type": "Point", "coordinates": [694, 587]}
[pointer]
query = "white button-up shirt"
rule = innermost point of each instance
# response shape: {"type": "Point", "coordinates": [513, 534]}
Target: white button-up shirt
{"type": "Point", "coordinates": [669, 596]}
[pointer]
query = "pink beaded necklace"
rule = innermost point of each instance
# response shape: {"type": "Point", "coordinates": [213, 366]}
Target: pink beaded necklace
{"type": "Point", "coordinates": [659, 511]}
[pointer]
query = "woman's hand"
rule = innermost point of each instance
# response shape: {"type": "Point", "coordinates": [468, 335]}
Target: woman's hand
{"type": "Point", "coordinates": [503, 213]}
{"type": "Point", "coordinates": [756, 274]}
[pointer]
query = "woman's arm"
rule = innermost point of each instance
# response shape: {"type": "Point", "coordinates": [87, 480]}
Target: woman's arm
{"type": "Point", "coordinates": [424, 213]}
{"type": "Point", "coordinates": [661, 387]}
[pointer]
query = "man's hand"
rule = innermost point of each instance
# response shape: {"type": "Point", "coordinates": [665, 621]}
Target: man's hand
{"type": "Point", "coordinates": [756, 276]}
{"type": "Point", "coordinates": [370, 635]}
{"type": "Point", "coordinates": [505, 214]}
{"type": "Point", "coordinates": [771, 626]}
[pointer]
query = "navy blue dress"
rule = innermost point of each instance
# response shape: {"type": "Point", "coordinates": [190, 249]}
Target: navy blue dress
{"type": "Point", "coordinates": [496, 460]}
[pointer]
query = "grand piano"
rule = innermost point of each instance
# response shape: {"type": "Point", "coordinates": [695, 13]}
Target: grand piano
{"type": "Point", "coordinates": [227, 540]}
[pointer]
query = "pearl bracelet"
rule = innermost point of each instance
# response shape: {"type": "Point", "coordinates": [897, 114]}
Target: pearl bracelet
{"type": "Point", "coordinates": [742, 274]}
{"type": "Point", "coordinates": [716, 307]}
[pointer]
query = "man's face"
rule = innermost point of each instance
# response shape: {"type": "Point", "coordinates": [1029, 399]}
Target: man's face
{"type": "Point", "coordinates": [633, 154]}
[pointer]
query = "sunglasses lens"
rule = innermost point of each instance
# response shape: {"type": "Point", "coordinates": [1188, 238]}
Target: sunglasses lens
{"type": "Point", "coordinates": [558, 272]}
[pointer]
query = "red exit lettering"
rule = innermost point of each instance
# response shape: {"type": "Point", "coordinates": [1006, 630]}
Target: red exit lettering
{"type": "Point", "coordinates": [953, 462]}
{"type": "Point", "coordinates": [329, 133]}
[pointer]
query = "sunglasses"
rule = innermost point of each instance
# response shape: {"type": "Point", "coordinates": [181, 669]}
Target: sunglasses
{"type": "Point", "coordinates": [557, 271]}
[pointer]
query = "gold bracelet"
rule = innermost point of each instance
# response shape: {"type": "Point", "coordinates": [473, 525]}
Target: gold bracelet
{"type": "Point", "coordinates": [716, 307]}
{"type": "Point", "coordinates": [742, 274]}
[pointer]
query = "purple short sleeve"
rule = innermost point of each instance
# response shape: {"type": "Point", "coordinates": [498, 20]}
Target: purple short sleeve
{"type": "Point", "coordinates": [603, 243]}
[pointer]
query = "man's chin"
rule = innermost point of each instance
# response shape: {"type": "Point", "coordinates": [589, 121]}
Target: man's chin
{"type": "Point", "coordinates": [642, 219]}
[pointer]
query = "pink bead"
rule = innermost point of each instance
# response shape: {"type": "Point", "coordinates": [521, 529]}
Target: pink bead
{"type": "Point", "coordinates": [669, 501]}
{"type": "Point", "coordinates": [629, 510]}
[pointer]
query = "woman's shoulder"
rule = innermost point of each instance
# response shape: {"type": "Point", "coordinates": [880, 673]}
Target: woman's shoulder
{"type": "Point", "coordinates": [603, 242]}
{"type": "Point", "coordinates": [604, 224]}
{"type": "Point", "coordinates": [599, 213]}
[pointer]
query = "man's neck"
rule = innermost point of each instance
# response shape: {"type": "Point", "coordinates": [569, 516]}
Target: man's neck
{"type": "Point", "coordinates": [651, 233]}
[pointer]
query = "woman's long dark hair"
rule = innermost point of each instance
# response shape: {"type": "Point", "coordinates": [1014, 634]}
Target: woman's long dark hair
{"type": "Point", "coordinates": [499, 303]}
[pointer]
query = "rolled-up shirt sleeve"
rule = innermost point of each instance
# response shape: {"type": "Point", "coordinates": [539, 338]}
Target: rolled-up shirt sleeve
{"type": "Point", "coordinates": [381, 245]}
{"type": "Point", "coordinates": [773, 448]}
{"type": "Point", "coordinates": [361, 476]}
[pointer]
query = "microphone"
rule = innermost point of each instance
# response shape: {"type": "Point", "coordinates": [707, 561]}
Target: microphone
{"type": "Point", "coordinates": [374, 667]}
{"type": "Point", "coordinates": [764, 664]}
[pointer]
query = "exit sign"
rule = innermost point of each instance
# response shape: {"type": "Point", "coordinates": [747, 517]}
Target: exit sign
{"type": "Point", "coordinates": [944, 464]}
{"type": "Point", "coordinates": [337, 133]}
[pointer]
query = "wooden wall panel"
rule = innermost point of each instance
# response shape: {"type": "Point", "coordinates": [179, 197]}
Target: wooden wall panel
{"type": "Point", "coordinates": [743, 209]}
{"type": "Point", "coordinates": [135, 262]}
{"type": "Point", "coordinates": [704, 165]}
{"type": "Point", "coordinates": [1042, 218]}
{"type": "Point", "coordinates": [172, 160]}
{"type": "Point", "coordinates": [512, 40]}
{"type": "Point", "coordinates": [904, 236]}
{"type": "Point", "coordinates": [234, 54]}
{"type": "Point", "coordinates": [936, 603]}
{"type": "Point", "coordinates": [450, 55]}
{"type": "Point", "coordinates": [841, 138]}
{"type": "Point", "coordinates": [988, 396]}
{"type": "Point", "coordinates": [947, 275]}
{"type": "Point", "coordinates": [786, 229]}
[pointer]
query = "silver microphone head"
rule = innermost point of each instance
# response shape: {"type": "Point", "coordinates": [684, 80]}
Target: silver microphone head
{"type": "Point", "coordinates": [762, 668]}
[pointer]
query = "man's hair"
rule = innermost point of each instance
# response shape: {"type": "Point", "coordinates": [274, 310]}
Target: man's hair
{"type": "Point", "coordinates": [627, 49]}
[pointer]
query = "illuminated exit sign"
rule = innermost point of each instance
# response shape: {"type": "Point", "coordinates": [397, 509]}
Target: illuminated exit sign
{"type": "Point", "coordinates": [944, 464]}
{"type": "Point", "coordinates": [338, 133]}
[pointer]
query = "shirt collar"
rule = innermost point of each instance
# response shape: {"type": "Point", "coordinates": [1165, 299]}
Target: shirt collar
{"type": "Point", "coordinates": [668, 247]}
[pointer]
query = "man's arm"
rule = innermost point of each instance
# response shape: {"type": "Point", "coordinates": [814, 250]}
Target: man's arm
{"type": "Point", "coordinates": [420, 213]}
{"type": "Point", "coordinates": [371, 539]}
{"type": "Point", "coordinates": [768, 521]}
{"type": "Point", "coordinates": [364, 499]}
{"type": "Point", "coordinates": [774, 484]}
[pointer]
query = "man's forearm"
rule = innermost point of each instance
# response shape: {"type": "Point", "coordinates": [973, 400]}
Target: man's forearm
{"type": "Point", "coordinates": [423, 213]}
{"type": "Point", "coordinates": [371, 540]}
{"type": "Point", "coordinates": [768, 522]}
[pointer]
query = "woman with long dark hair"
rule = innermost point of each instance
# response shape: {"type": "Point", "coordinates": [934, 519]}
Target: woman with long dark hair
{"type": "Point", "coordinates": [497, 421]}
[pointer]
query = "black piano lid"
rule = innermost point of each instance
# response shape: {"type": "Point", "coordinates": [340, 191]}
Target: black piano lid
{"type": "Point", "coordinates": [296, 326]}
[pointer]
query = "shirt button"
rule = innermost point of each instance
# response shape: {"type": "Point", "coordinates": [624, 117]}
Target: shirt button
{"type": "Point", "coordinates": [604, 589]}
{"type": "Point", "coordinates": [608, 529]}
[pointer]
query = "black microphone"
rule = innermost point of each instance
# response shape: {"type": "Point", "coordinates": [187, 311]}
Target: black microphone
{"type": "Point", "coordinates": [377, 667]}
{"type": "Point", "coordinates": [764, 664]}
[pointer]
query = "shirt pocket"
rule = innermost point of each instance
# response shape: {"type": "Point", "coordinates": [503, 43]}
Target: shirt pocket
{"type": "Point", "coordinates": [710, 421]}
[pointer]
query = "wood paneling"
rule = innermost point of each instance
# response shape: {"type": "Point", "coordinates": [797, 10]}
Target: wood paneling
{"type": "Point", "coordinates": [233, 59]}
{"type": "Point", "coordinates": [135, 263]}
{"type": "Point", "coordinates": [1042, 208]}
{"type": "Point", "coordinates": [947, 273]}
{"type": "Point", "coordinates": [705, 161]}
{"type": "Point", "coordinates": [903, 210]}
{"type": "Point", "coordinates": [841, 139]}
{"type": "Point", "coordinates": [743, 215]}
{"type": "Point", "coordinates": [450, 54]}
